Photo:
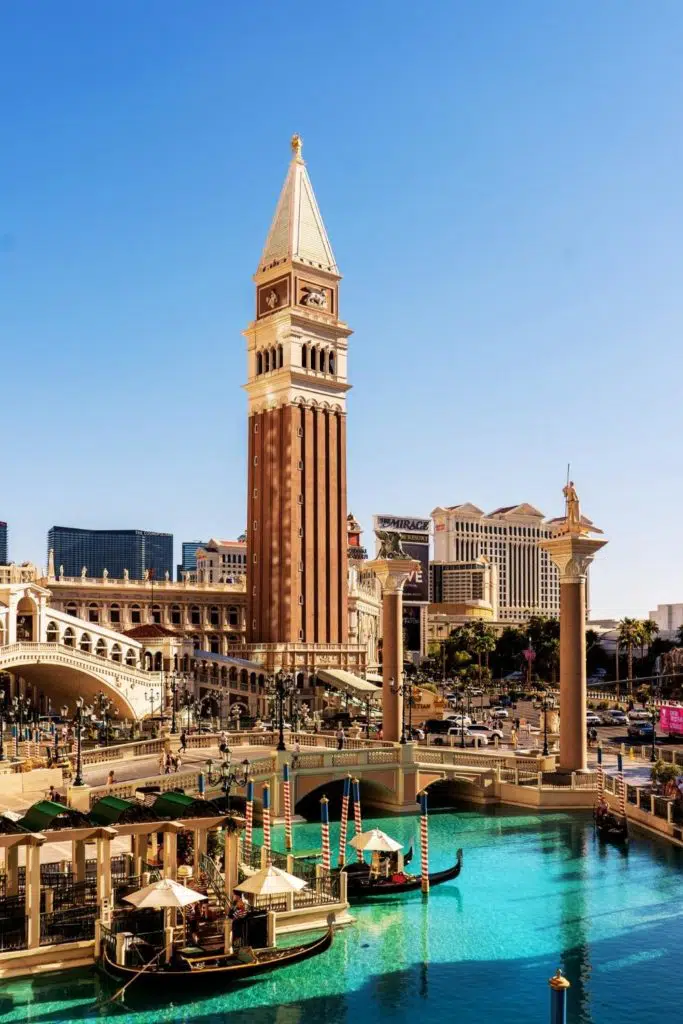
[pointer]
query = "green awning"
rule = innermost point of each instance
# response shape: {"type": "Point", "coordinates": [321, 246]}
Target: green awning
{"type": "Point", "coordinates": [180, 805]}
{"type": "Point", "coordinates": [41, 815]}
{"type": "Point", "coordinates": [108, 810]}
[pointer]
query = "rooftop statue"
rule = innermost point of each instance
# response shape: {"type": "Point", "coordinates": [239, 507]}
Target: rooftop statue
{"type": "Point", "coordinates": [390, 544]}
{"type": "Point", "coordinates": [574, 523]}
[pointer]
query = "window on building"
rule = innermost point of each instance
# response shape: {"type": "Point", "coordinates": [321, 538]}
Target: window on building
{"type": "Point", "coordinates": [130, 658]}
{"type": "Point", "coordinates": [214, 615]}
{"type": "Point", "coordinates": [69, 637]}
{"type": "Point", "coordinates": [135, 614]}
{"type": "Point", "coordinates": [280, 356]}
{"type": "Point", "coordinates": [52, 633]}
{"type": "Point", "coordinates": [156, 614]}
{"type": "Point", "coordinates": [322, 360]}
{"type": "Point", "coordinates": [259, 363]}
{"type": "Point", "coordinates": [86, 643]}
{"type": "Point", "coordinates": [313, 359]}
{"type": "Point", "coordinates": [304, 356]}
{"type": "Point", "coordinates": [233, 616]}
{"type": "Point", "coordinates": [176, 617]}
{"type": "Point", "coordinates": [93, 613]}
{"type": "Point", "coordinates": [266, 361]}
{"type": "Point", "coordinates": [115, 614]}
{"type": "Point", "coordinates": [331, 362]}
{"type": "Point", "coordinates": [116, 653]}
{"type": "Point", "coordinates": [214, 644]}
{"type": "Point", "coordinates": [195, 615]}
{"type": "Point", "coordinates": [101, 649]}
{"type": "Point", "coordinates": [72, 608]}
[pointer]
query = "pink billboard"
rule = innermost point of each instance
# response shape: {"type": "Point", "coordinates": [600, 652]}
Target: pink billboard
{"type": "Point", "coordinates": [671, 719]}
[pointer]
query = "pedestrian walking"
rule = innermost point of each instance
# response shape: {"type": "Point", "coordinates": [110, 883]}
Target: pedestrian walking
{"type": "Point", "coordinates": [183, 741]}
{"type": "Point", "coordinates": [162, 763]}
{"type": "Point", "coordinates": [111, 780]}
{"type": "Point", "coordinates": [341, 738]}
{"type": "Point", "coordinates": [513, 737]}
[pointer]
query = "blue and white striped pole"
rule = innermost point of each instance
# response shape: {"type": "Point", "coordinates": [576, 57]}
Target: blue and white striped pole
{"type": "Point", "coordinates": [201, 784]}
{"type": "Point", "coordinates": [558, 998]}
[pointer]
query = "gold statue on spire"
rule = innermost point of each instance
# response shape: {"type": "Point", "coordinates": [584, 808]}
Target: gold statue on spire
{"type": "Point", "coordinates": [297, 146]}
{"type": "Point", "coordinates": [574, 523]}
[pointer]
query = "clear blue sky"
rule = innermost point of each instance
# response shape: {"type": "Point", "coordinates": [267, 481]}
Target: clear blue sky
{"type": "Point", "coordinates": [501, 183]}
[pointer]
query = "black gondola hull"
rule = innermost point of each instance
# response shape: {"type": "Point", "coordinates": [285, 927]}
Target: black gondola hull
{"type": "Point", "coordinates": [360, 886]}
{"type": "Point", "coordinates": [208, 974]}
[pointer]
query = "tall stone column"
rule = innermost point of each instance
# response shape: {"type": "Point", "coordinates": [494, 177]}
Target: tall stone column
{"type": "Point", "coordinates": [392, 574]}
{"type": "Point", "coordinates": [572, 553]}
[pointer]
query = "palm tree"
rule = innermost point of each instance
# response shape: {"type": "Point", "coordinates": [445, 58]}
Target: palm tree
{"type": "Point", "coordinates": [630, 632]}
{"type": "Point", "coordinates": [649, 630]}
{"type": "Point", "coordinates": [482, 640]}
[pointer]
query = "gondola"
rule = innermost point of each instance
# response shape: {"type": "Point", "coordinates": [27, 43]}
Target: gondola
{"type": "Point", "coordinates": [193, 974]}
{"type": "Point", "coordinates": [362, 885]}
{"type": "Point", "coordinates": [610, 828]}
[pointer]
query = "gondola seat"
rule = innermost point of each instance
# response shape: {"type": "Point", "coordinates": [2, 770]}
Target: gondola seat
{"type": "Point", "coordinates": [245, 955]}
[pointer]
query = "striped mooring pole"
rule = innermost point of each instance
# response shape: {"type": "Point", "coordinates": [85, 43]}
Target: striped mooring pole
{"type": "Point", "coordinates": [558, 998]}
{"type": "Point", "coordinates": [288, 806]}
{"type": "Point", "coordinates": [325, 828]}
{"type": "Point", "coordinates": [344, 820]}
{"type": "Point", "coordinates": [424, 842]}
{"type": "Point", "coordinates": [249, 817]}
{"type": "Point", "coordinates": [266, 822]}
{"type": "Point", "coordinates": [601, 775]}
{"type": "Point", "coordinates": [621, 783]}
{"type": "Point", "coordinates": [356, 814]}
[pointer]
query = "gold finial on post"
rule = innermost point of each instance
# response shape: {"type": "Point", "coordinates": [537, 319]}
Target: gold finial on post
{"type": "Point", "coordinates": [297, 146]}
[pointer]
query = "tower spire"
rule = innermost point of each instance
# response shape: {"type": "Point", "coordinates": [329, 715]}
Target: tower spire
{"type": "Point", "coordinates": [297, 232]}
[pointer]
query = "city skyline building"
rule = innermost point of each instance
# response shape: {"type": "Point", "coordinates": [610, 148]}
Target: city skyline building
{"type": "Point", "coordinates": [110, 552]}
{"type": "Point", "coordinates": [296, 386]}
{"type": "Point", "coordinates": [188, 558]}
{"type": "Point", "coordinates": [4, 556]}
{"type": "Point", "coordinates": [220, 561]}
{"type": "Point", "coordinates": [528, 581]}
{"type": "Point", "coordinates": [465, 583]}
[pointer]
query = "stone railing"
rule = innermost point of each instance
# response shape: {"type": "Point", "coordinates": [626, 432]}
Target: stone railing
{"type": "Point", "coordinates": [346, 758]}
{"type": "Point", "coordinates": [60, 654]}
{"type": "Point", "coordinates": [660, 813]}
{"type": "Point", "coordinates": [126, 790]}
{"type": "Point", "coordinates": [121, 751]}
{"type": "Point", "coordinates": [471, 759]}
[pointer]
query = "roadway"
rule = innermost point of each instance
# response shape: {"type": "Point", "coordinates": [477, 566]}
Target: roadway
{"type": "Point", "coordinates": [128, 769]}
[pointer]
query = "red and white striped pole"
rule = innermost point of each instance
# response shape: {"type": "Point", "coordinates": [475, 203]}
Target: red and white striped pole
{"type": "Point", "coordinates": [325, 828]}
{"type": "Point", "coordinates": [356, 814]}
{"type": "Point", "coordinates": [249, 827]}
{"type": "Point", "coordinates": [601, 775]}
{"type": "Point", "coordinates": [288, 806]}
{"type": "Point", "coordinates": [344, 820]}
{"type": "Point", "coordinates": [424, 842]}
{"type": "Point", "coordinates": [266, 822]}
{"type": "Point", "coordinates": [621, 784]}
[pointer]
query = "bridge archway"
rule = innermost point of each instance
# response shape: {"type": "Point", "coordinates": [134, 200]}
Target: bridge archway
{"type": "Point", "coordinates": [373, 795]}
{"type": "Point", "coordinates": [447, 792]}
{"type": "Point", "coordinates": [62, 684]}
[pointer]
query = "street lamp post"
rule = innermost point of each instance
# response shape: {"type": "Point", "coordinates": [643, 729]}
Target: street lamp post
{"type": "Point", "coordinates": [228, 775]}
{"type": "Point", "coordinates": [281, 686]}
{"type": "Point", "coordinates": [20, 706]}
{"type": "Point", "coordinates": [78, 722]}
{"type": "Point", "coordinates": [545, 725]}
{"type": "Point", "coordinates": [405, 690]}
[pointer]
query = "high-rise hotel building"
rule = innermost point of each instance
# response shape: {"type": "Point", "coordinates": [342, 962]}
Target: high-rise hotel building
{"type": "Point", "coordinates": [528, 581]}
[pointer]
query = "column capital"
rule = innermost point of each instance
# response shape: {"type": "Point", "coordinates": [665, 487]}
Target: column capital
{"type": "Point", "coordinates": [392, 573]}
{"type": "Point", "coordinates": [572, 554]}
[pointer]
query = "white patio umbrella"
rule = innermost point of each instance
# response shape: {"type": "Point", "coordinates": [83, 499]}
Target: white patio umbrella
{"type": "Point", "coordinates": [162, 894]}
{"type": "Point", "coordinates": [271, 881]}
{"type": "Point", "coordinates": [375, 839]}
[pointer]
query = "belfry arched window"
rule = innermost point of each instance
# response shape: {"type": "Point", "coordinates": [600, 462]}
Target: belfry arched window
{"type": "Point", "coordinates": [322, 360]}
{"type": "Point", "coordinates": [304, 356]}
{"type": "Point", "coordinates": [86, 643]}
{"type": "Point", "coordinates": [266, 361]}
{"type": "Point", "coordinates": [52, 633]}
{"type": "Point", "coordinates": [259, 363]}
{"type": "Point", "coordinates": [313, 360]}
{"type": "Point", "coordinates": [330, 362]}
{"type": "Point", "coordinates": [280, 356]}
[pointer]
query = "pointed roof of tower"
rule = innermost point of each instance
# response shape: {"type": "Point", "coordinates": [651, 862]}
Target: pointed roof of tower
{"type": "Point", "coordinates": [297, 232]}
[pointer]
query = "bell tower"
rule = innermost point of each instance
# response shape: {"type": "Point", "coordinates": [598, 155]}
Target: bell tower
{"type": "Point", "coordinates": [296, 387]}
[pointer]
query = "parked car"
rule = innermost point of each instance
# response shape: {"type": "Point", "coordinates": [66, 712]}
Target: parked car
{"type": "Point", "coordinates": [499, 713]}
{"type": "Point", "coordinates": [459, 719]}
{"type": "Point", "coordinates": [640, 730]}
{"type": "Point", "coordinates": [639, 716]}
{"type": "Point", "coordinates": [437, 726]}
{"type": "Point", "coordinates": [592, 718]}
{"type": "Point", "coordinates": [471, 739]}
{"type": "Point", "coordinates": [488, 731]}
{"type": "Point", "coordinates": [614, 717]}
{"type": "Point", "coordinates": [512, 677]}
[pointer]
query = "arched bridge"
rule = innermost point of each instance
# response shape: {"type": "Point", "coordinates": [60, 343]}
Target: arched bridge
{"type": "Point", "coordinates": [64, 672]}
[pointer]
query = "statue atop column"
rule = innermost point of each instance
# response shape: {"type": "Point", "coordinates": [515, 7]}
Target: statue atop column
{"type": "Point", "coordinates": [390, 544]}
{"type": "Point", "coordinates": [573, 523]}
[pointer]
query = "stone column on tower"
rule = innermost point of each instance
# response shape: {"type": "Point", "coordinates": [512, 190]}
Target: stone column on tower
{"type": "Point", "coordinates": [297, 384]}
{"type": "Point", "coordinates": [573, 551]}
{"type": "Point", "coordinates": [392, 574]}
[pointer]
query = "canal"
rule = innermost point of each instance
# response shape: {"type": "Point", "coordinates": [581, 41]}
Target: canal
{"type": "Point", "coordinates": [536, 892]}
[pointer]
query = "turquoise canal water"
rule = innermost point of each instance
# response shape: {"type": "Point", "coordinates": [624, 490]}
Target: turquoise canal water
{"type": "Point", "coordinates": [536, 892]}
